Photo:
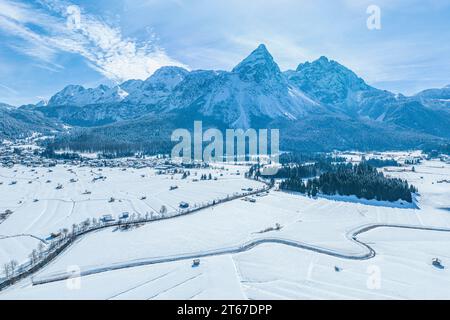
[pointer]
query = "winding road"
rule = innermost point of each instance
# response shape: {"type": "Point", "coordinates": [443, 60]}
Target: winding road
{"type": "Point", "coordinates": [368, 252]}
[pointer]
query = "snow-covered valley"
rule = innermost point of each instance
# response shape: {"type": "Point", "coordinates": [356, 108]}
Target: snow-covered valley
{"type": "Point", "coordinates": [315, 252]}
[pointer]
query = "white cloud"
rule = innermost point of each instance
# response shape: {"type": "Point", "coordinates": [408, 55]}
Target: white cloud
{"type": "Point", "coordinates": [56, 26]}
{"type": "Point", "coordinates": [10, 90]}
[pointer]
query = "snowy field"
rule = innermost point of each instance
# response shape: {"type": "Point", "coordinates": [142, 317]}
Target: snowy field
{"type": "Point", "coordinates": [401, 268]}
{"type": "Point", "coordinates": [39, 208]}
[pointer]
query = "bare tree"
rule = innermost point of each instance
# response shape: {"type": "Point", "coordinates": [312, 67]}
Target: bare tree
{"type": "Point", "coordinates": [6, 270]}
{"type": "Point", "coordinates": [12, 266]}
{"type": "Point", "coordinates": [41, 249]}
{"type": "Point", "coordinates": [34, 256]}
{"type": "Point", "coordinates": [86, 223]}
{"type": "Point", "coordinates": [74, 229]}
{"type": "Point", "coordinates": [52, 245]}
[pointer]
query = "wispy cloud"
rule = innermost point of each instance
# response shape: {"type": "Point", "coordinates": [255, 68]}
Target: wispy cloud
{"type": "Point", "coordinates": [47, 28]}
{"type": "Point", "coordinates": [10, 90]}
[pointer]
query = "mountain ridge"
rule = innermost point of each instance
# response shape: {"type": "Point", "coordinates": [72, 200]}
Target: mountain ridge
{"type": "Point", "coordinates": [256, 93]}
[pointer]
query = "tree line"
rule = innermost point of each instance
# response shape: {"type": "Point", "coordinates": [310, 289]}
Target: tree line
{"type": "Point", "coordinates": [308, 157]}
{"type": "Point", "coordinates": [301, 167]}
{"type": "Point", "coordinates": [380, 163]}
{"type": "Point", "coordinates": [361, 180]}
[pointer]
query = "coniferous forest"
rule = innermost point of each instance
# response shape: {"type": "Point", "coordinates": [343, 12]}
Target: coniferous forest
{"type": "Point", "coordinates": [361, 180]}
{"type": "Point", "coordinates": [303, 165]}
{"type": "Point", "coordinates": [380, 163]}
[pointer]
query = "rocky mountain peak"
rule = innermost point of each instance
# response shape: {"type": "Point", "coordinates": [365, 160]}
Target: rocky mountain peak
{"type": "Point", "coordinates": [258, 66]}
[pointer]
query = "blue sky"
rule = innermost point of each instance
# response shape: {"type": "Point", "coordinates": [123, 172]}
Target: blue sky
{"type": "Point", "coordinates": [47, 44]}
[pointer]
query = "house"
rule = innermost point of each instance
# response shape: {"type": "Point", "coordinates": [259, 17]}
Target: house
{"type": "Point", "coordinates": [124, 215]}
{"type": "Point", "coordinates": [184, 205]}
{"type": "Point", "coordinates": [195, 263]}
{"type": "Point", "coordinates": [54, 235]}
{"type": "Point", "coordinates": [107, 218]}
{"type": "Point", "coordinates": [163, 167]}
{"type": "Point", "coordinates": [437, 263]}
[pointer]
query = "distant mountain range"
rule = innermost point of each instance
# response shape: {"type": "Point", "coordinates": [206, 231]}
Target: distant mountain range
{"type": "Point", "coordinates": [21, 123]}
{"type": "Point", "coordinates": [320, 106]}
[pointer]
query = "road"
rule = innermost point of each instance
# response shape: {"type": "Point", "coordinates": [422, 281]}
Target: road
{"type": "Point", "coordinates": [25, 273]}
{"type": "Point", "coordinates": [367, 252]}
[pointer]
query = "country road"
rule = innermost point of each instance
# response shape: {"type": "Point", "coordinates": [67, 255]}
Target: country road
{"type": "Point", "coordinates": [368, 252]}
{"type": "Point", "coordinates": [27, 273]}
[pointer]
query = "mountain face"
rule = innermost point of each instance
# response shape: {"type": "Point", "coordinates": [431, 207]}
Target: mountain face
{"type": "Point", "coordinates": [259, 67]}
{"type": "Point", "coordinates": [329, 82]}
{"type": "Point", "coordinates": [321, 105]}
{"type": "Point", "coordinates": [150, 91]}
{"type": "Point", "coordinates": [440, 94]}
{"type": "Point", "coordinates": [253, 91]}
{"type": "Point", "coordinates": [75, 95]}
{"type": "Point", "coordinates": [156, 88]}
{"type": "Point", "coordinates": [435, 97]}
{"type": "Point", "coordinates": [17, 123]}
{"type": "Point", "coordinates": [342, 90]}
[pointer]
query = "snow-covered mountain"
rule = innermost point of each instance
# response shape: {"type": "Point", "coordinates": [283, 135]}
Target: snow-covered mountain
{"type": "Point", "coordinates": [255, 89]}
{"type": "Point", "coordinates": [156, 88]}
{"type": "Point", "coordinates": [150, 91]}
{"type": "Point", "coordinates": [5, 106]}
{"type": "Point", "coordinates": [443, 93]}
{"type": "Point", "coordinates": [435, 97]}
{"type": "Point", "coordinates": [336, 86]}
{"type": "Point", "coordinates": [321, 96]}
{"type": "Point", "coordinates": [16, 122]}
{"type": "Point", "coordinates": [340, 89]}
{"type": "Point", "coordinates": [329, 82]}
{"type": "Point", "coordinates": [76, 95]}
